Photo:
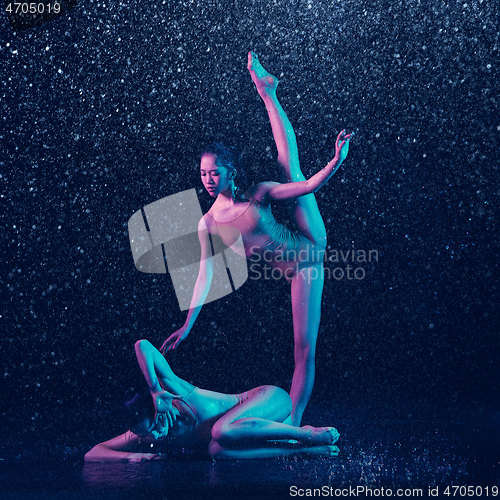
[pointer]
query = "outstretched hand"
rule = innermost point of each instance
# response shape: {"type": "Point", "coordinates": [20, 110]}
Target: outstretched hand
{"type": "Point", "coordinates": [342, 145]}
{"type": "Point", "coordinates": [144, 457]}
{"type": "Point", "coordinates": [174, 340]}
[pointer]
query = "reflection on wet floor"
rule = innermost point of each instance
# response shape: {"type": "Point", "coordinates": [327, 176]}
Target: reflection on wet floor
{"type": "Point", "coordinates": [386, 452]}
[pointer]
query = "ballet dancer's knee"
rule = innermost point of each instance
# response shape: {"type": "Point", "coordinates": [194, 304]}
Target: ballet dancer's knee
{"type": "Point", "coordinates": [143, 345]}
{"type": "Point", "coordinates": [320, 239]}
{"type": "Point", "coordinates": [304, 353]}
{"type": "Point", "coordinates": [226, 433]}
{"type": "Point", "coordinates": [215, 450]}
{"type": "Point", "coordinates": [220, 431]}
{"type": "Point", "coordinates": [312, 273]}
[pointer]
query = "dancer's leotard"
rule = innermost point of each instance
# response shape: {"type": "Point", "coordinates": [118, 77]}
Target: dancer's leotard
{"type": "Point", "coordinates": [204, 411]}
{"type": "Point", "coordinates": [266, 241]}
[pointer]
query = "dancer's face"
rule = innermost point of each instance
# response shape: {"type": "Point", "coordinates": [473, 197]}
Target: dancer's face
{"type": "Point", "coordinates": [215, 179]}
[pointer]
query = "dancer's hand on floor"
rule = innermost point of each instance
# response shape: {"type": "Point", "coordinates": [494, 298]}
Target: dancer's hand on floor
{"type": "Point", "coordinates": [144, 457]}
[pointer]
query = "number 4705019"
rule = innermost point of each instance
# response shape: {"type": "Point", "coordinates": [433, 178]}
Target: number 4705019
{"type": "Point", "coordinates": [471, 491]}
{"type": "Point", "coordinates": [33, 8]}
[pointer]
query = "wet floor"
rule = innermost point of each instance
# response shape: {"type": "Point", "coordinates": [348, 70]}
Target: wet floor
{"type": "Point", "coordinates": [384, 451]}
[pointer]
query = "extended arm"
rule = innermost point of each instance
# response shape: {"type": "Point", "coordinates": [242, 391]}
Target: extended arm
{"type": "Point", "coordinates": [311, 185]}
{"type": "Point", "coordinates": [201, 289]}
{"type": "Point", "coordinates": [163, 385]}
{"type": "Point", "coordinates": [119, 449]}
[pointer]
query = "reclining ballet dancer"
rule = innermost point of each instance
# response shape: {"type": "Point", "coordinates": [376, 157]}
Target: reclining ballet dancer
{"type": "Point", "coordinates": [253, 424]}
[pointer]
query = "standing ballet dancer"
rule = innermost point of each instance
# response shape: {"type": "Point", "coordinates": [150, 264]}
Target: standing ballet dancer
{"type": "Point", "coordinates": [299, 255]}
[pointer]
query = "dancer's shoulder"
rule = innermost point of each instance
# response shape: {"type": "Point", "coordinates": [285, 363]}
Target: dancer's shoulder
{"type": "Point", "coordinates": [206, 221]}
{"type": "Point", "coordinates": [260, 191]}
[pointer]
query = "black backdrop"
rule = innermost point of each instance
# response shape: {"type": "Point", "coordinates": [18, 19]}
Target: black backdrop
{"type": "Point", "coordinates": [105, 110]}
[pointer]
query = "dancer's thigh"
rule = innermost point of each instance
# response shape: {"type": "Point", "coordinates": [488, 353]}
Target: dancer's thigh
{"type": "Point", "coordinates": [267, 402]}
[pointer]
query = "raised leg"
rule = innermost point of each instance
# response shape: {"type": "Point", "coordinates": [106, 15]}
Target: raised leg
{"type": "Point", "coordinates": [306, 213]}
{"type": "Point", "coordinates": [307, 285]}
{"type": "Point", "coordinates": [257, 429]}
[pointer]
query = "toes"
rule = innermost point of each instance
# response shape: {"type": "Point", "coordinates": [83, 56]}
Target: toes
{"type": "Point", "coordinates": [252, 59]}
{"type": "Point", "coordinates": [334, 434]}
{"type": "Point", "coordinates": [334, 451]}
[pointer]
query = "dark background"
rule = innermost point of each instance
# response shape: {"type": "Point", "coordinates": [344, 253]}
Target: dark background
{"type": "Point", "coordinates": [107, 108]}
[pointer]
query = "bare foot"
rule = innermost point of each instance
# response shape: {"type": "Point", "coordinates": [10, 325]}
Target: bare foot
{"type": "Point", "coordinates": [264, 81]}
{"type": "Point", "coordinates": [321, 435]}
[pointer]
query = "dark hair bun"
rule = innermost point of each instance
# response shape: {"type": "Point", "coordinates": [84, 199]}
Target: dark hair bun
{"type": "Point", "coordinates": [227, 156]}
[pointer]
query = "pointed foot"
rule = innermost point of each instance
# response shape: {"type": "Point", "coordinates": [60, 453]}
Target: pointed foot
{"type": "Point", "coordinates": [264, 81]}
